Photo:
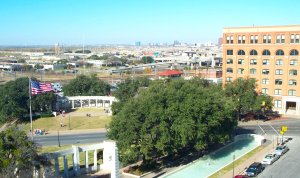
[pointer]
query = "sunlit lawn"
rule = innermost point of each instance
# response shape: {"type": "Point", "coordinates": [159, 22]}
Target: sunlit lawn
{"type": "Point", "coordinates": [71, 121]}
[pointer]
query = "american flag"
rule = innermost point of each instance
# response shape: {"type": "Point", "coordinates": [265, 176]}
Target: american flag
{"type": "Point", "coordinates": [39, 87]}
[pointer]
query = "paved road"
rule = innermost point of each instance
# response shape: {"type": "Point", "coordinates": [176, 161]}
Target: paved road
{"type": "Point", "coordinates": [288, 165]}
{"type": "Point", "coordinates": [293, 127]}
{"type": "Point", "coordinates": [67, 139]}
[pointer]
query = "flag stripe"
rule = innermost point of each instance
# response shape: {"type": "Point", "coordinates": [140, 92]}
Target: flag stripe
{"type": "Point", "coordinates": [38, 87]}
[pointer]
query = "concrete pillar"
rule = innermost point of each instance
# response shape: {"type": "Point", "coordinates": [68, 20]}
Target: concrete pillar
{"type": "Point", "coordinates": [87, 159]}
{"type": "Point", "coordinates": [66, 171]}
{"type": "Point", "coordinates": [95, 167]}
{"type": "Point", "coordinates": [96, 103]}
{"type": "Point", "coordinates": [103, 103]}
{"type": "Point", "coordinates": [110, 158]}
{"type": "Point", "coordinates": [76, 160]}
{"type": "Point", "coordinates": [73, 104]}
{"type": "Point", "coordinates": [89, 103]}
{"type": "Point", "coordinates": [81, 103]}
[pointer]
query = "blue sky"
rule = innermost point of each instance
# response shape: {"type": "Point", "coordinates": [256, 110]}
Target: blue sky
{"type": "Point", "coordinates": [45, 22]}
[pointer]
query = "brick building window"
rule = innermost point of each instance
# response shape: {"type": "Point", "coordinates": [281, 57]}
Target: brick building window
{"type": "Point", "coordinates": [294, 52]}
{"type": "Point", "coordinates": [292, 92]}
{"type": "Point", "coordinates": [265, 81]}
{"type": "Point", "coordinates": [253, 52]}
{"type": "Point", "coordinates": [278, 72]}
{"type": "Point", "coordinates": [229, 70]}
{"type": "Point", "coordinates": [241, 52]}
{"type": "Point", "coordinates": [264, 91]}
{"type": "Point", "coordinates": [252, 71]}
{"type": "Point", "coordinates": [241, 61]}
{"type": "Point", "coordinates": [266, 62]}
{"type": "Point", "coordinates": [253, 62]}
{"type": "Point", "coordinates": [293, 72]}
{"type": "Point", "coordinates": [277, 103]}
{"type": "Point", "coordinates": [278, 82]}
{"type": "Point", "coordinates": [265, 71]}
{"type": "Point", "coordinates": [293, 82]}
{"type": "Point", "coordinates": [229, 61]}
{"type": "Point", "coordinates": [277, 92]}
{"type": "Point", "coordinates": [266, 52]}
{"type": "Point", "coordinates": [229, 52]}
{"type": "Point", "coordinates": [279, 52]}
{"type": "Point", "coordinates": [279, 62]}
{"type": "Point", "coordinates": [293, 62]}
{"type": "Point", "coordinates": [241, 71]}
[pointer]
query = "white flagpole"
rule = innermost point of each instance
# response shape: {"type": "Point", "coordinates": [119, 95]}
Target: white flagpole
{"type": "Point", "coordinates": [30, 112]}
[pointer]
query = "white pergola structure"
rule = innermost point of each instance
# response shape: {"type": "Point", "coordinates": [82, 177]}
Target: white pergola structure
{"type": "Point", "coordinates": [91, 101]}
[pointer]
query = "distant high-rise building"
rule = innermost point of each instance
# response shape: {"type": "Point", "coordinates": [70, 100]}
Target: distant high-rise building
{"type": "Point", "coordinates": [220, 41]}
{"type": "Point", "coordinates": [57, 49]}
{"type": "Point", "coordinates": [138, 43]}
{"type": "Point", "coordinates": [176, 43]}
{"type": "Point", "coordinates": [270, 55]}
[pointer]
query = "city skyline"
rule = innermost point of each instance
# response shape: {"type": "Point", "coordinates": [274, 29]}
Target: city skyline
{"type": "Point", "coordinates": [36, 22]}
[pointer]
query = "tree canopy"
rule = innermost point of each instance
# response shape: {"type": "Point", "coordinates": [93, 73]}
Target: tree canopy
{"type": "Point", "coordinates": [18, 154]}
{"type": "Point", "coordinates": [86, 86]}
{"type": "Point", "coordinates": [246, 99]}
{"type": "Point", "coordinates": [170, 116]}
{"type": "Point", "coordinates": [14, 103]}
{"type": "Point", "coordinates": [147, 59]}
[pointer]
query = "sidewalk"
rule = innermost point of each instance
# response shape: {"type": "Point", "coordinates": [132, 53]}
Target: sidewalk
{"type": "Point", "coordinates": [238, 170]}
{"type": "Point", "coordinates": [69, 132]}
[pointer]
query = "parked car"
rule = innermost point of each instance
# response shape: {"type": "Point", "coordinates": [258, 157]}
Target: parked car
{"type": "Point", "coordinates": [270, 158]}
{"type": "Point", "coordinates": [254, 169]}
{"type": "Point", "coordinates": [280, 150]}
{"type": "Point", "coordinates": [240, 176]}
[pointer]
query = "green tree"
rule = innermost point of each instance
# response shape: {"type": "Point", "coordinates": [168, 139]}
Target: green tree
{"type": "Point", "coordinates": [147, 59]}
{"type": "Point", "coordinates": [128, 89]}
{"type": "Point", "coordinates": [43, 102]}
{"type": "Point", "coordinates": [94, 56]}
{"type": "Point", "coordinates": [246, 99]}
{"type": "Point", "coordinates": [14, 99]}
{"type": "Point", "coordinates": [38, 66]}
{"type": "Point", "coordinates": [21, 61]}
{"type": "Point", "coordinates": [169, 117]}
{"type": "Point", "coordinates": [18, 154]}
{"type": "Point", "coordinates": [14, 103]}
{"type": "Point", "coordinates": [86, 86]}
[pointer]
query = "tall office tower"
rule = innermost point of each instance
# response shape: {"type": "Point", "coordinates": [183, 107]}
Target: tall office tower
{"type": "Point", "coordinates": [57, 49]}
{"type": "Point", "coordinates": [138, 43]}
{"type": "Point", "coordinates": [270, 55]}
{"type": "Point", "coordinates": [220, 41]}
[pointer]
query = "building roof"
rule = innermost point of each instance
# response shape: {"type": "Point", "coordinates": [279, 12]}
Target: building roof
{"type": "Point", "coordinates": [170, 73]}
{"type": "Point", "coordinates": [253, 29]}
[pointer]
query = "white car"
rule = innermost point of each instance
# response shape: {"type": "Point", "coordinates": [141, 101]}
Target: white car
{"type": "Point", "coordinates": [270, 158]}
{"type": "Point", "coordinates": [280, 150]}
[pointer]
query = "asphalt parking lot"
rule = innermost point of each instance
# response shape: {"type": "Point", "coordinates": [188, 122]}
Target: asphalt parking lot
{"type": "Point", "coordinates": [288, 165]}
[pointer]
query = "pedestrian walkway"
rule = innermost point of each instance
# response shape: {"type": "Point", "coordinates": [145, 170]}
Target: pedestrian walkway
{"type": "Point", "coordinates": [239, 169]}
{"type": "Point", "coordinates": [71, 132]}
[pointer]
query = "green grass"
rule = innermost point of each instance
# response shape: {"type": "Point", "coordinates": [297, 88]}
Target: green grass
{"type": "Point", "coordinates": [76, 123]}
{"type": "Point", "coordinates": [237, 162]}
{"type": "Point", "coordinates": [49, 149]}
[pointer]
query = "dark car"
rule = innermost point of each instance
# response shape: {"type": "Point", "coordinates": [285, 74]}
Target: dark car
{"type": "Point", "coordinates": [254, 169]}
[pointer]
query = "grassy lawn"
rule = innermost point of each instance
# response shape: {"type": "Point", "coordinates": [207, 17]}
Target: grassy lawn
{"type": "Point", "coordinates": [76, 120]}
{"type": "Point", "coordinates": [237, 162]}
{"type": "Point", "coordinates": [49, 149]}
